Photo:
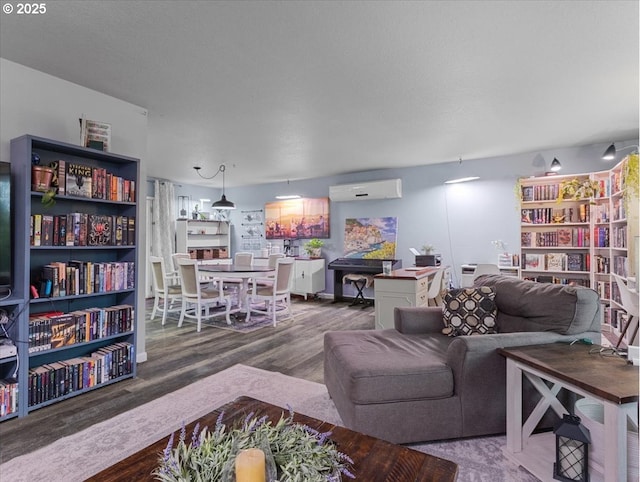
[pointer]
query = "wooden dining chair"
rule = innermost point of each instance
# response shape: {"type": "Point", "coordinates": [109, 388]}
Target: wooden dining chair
{"type": "Point", "coordinates": [275, 298]}
{"type": "Point", "coordinates": [199, 298]}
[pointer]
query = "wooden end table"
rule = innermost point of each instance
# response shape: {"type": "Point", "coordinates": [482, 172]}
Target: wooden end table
{"type": "Point", "coordinates": [581, 369]}
{"type": "Point", "coordinates": [374, 459]}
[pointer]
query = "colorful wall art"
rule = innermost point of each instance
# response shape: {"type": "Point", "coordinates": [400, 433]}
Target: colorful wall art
{"type": "Point", "coordinates": [303, 218]}
{"type": "Point", "coordinates": [370, 238]}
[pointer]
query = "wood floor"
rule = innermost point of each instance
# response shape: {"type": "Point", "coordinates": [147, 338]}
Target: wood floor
{"type": "Point", "coordinates": [180, 356]}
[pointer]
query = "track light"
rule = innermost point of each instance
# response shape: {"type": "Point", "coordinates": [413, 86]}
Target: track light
{"type": "Point", "coordinates": [461, 179]}
{"type": "Point", "coordinates": [555, 165]}
{"type": "Point", "coordinates": [223, 203]}
{"type": "Point", "coordinates": [610, 153]}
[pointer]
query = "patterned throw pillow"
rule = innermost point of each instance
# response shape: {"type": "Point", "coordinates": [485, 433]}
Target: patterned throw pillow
{"type": "Point", "coordinates": [470, 311]}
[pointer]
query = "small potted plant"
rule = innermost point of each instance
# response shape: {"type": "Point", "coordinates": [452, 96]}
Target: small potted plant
{"type": "Point", "coordinates": [312, 247]}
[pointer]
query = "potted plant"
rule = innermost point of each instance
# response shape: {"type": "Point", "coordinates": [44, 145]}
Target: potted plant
{"type": "Point", "coordinates": [312, 247]}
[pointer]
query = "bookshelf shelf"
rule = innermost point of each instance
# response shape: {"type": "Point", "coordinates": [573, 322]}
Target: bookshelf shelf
{"type": "Point", "coordinates": [607, 225]}
{"type": "Point", "coordinates": [85, 248]}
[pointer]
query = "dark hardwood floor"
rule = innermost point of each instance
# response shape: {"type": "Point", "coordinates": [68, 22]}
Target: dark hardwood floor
{"type": "Point", "coordinates": [180, 356]}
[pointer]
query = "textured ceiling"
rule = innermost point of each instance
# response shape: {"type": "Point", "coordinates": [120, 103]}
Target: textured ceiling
{"type": "Point", "coordinates": [293, 90]}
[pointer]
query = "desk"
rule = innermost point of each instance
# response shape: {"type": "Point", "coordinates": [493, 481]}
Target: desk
{"type": "Point", "coordinates": [245, 273]}
{"type": "Point", "coordinates": [373, 459]}
{"type": "Point", "coordinates": [403, 287]}
{"type": "Point", "coordinates": [608, 380]}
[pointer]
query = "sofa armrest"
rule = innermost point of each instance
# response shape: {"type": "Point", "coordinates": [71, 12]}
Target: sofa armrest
{"type": "Point", "coordinates": [418, 320]}
{"type": "Point", "coordinates": [480, 374]}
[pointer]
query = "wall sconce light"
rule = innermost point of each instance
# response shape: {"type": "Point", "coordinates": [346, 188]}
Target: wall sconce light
{"type": "Point", "coordinates": [223, 203]}
{"type": "Point", "coordinates": [610, 153]}
{"type": "Point", "coordinates": [572, 450]}
{"type": "Point", "coordinates": [555, 165]}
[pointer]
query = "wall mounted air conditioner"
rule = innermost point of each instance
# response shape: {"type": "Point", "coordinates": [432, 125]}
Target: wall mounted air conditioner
{"type": "Point", "coordinates": [362, 191]}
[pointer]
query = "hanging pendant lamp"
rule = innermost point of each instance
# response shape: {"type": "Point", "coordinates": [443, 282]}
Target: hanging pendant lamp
{"type": "Point", "coordinates": [223, 203]}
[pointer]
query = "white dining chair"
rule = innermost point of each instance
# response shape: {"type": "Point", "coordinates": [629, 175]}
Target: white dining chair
{"type": "Point", "coordinates": [199, 298]}
{"type": "Point", "coordinates": [275, 298]}
{"type": "Point", "coordinates": [165, 289]}
{"type": "Point", "coordinates": [434, 291]}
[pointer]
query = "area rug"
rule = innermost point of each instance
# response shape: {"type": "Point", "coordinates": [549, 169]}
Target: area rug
{"type": "Point", "coordinates": [479, 459]}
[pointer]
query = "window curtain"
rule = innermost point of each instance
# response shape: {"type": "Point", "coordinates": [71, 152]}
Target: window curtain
{"type": "Point", "coordinates": [164, 208]}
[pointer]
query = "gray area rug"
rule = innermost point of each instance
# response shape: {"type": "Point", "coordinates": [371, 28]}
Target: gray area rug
{"type": "Point", "coordinates": [479, 459]}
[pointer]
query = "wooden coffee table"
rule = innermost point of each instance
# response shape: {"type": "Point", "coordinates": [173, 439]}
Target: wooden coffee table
{"type": "Point", "coordinates": [581, 369]}
{"type": "Point", "coordinates": [374, 459]}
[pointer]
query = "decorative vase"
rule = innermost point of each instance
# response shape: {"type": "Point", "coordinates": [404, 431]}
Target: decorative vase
{"type": "Point", "coordinates": [41, 177]}
{"type": "Point", "coordinates": [314, 252]}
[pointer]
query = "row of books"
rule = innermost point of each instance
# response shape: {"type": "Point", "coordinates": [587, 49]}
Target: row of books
{"type": "Point", "coordinates": [48, 331]}
{"type": "Point", "coordinates": [8, 396]}
{"type": "Point", "coordinates": [601, 237]}
{"type": "Point", "coordinates": [601, 264]}
{"type": "Point", "coordinates": [74, 277]}
{"type": "Point", "coordinates": [615, 317]}
{"type": "Point", "coordinates": [563, 237]}
{"type": "Point", "coordinates": [82, 229]}
{"type": "Point", "coordinates": [550, 192]}
{"type": "Point", "coordinates": [620, 266]}
{"type": "Point", "coordinates": [53, 380]}
{"type": "Point", "coordinates": [603, 289]}
{"type": "Point", "coordinates": [73, 179]}
{"type": "Point", "coordinates": [556, 262]}
{"type": "Point", "coordinates": [600, 213]}
{"type": "Point", "coordinates": [619, 212]}
{"type": "Point", "coordinates": [619, 237]}
{"type": "Point", "coordinates": [580, 214]}
{"type": "Point", "coordinates": [558, 280]}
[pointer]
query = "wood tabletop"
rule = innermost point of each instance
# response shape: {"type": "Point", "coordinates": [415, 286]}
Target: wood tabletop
{"type": "Point", "coordinates": [410, 273]}
{"type": "Point", "coordinates": [374, 459]}
{"type": "Point", "coordinates": [584, 366]}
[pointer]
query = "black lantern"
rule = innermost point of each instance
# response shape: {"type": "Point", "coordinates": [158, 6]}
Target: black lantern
{"type": "Point", "coordinates": [572, 450]}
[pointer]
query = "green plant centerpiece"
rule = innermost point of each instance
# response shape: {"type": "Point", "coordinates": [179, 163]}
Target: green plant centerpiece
{"type": "Point", "coordinates": [297, 453]}
{"type": "Point", "coordinates": [312, 247]}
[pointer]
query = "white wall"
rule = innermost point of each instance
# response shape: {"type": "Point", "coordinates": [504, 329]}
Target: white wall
{"type": "Point", "coordinates": [39, 104]}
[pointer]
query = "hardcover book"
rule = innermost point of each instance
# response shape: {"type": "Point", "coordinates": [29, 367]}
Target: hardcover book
{"type": "Point", "coordinates": [565, 238]}
{"type": "Point", "coordinates": [556, 261]}
{"type": "Point", "coordinates": [79, 180]}
{"type": "Point", "coordinates": [59, 176]}
{"type": "Point", "coordinates": [99, 230]}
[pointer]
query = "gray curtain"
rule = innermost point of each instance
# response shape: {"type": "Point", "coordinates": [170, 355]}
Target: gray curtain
{"type": "Point", "coordinates": [164, 224]}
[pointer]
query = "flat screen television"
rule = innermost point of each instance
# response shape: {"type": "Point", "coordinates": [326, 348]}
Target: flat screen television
{"type": "Point", "coordinates": [6, 245]}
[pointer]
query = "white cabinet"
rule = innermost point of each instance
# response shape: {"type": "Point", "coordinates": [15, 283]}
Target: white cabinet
{"type": "Point", "coordinates": [393, 291]}
{"type": "Point", "coordinates": [308, 276]}
{"type": "Point", "coordinates": [203, 239]}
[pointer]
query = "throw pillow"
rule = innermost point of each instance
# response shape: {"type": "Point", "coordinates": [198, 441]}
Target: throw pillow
{"type": "Point", "coordinates": [470, 311]}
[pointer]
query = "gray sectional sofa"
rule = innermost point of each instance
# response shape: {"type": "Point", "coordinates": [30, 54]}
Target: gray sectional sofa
{"type": "Point", "coordinates": [413, 383]}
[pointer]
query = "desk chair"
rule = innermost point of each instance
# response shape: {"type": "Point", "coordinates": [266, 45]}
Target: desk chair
{"type": "Point", "coordinates": [164, 288]}
{"type": "Point", "coordinates": [201, 298]}
{"type": "Point", "coordinates": [277, 294]}
{"type": "Point", "coordinates": [434, 292]}
{"type": "Point", "coordinates": [630, 304]}
{"type": "Point", "coordinates": [485, 269]}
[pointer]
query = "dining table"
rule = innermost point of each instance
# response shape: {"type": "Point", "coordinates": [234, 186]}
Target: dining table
{"type": "Point", "coordinates": [242, 272]}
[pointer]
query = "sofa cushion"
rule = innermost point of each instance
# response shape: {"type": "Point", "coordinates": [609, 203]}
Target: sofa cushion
{"type": "Point", "coordinates": [530, 306]}
{"type": "Point", "coordinates": [469, 311]}
{"type": "Point", "coordinates": [385, 366]}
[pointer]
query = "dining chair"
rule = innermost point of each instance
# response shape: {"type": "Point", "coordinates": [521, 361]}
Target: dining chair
{"type": "Point", "coordinates": [485, 269]}
{"type": "Point", "coordinates": [434, 291]}
{"type": "Point", "coordinates": [630, 303]}
{"type": "Point", "coordinates": [164, 288]}
{"type": "Point", "coordinates": [278, 294]}
{"type": "Point", "coordinates": [200, 298]}
{"type": "Point", "coordinates": [267, 280]}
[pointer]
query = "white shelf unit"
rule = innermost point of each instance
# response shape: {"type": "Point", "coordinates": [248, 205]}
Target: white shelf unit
{"type": "Point", "coordinates": [205, 240]}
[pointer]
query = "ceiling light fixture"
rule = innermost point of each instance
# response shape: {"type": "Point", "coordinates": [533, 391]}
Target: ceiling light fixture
{"type": "Point", "coordinates": [555, 165]}
{"type": "Point", "coordinates": [610, 153]}
{"type": "Point", "coordinates": [461, 179]}
{"type": "Point", "coordinates": [288, 196]}
{"type": "Point", "coordinates": [223, 203]}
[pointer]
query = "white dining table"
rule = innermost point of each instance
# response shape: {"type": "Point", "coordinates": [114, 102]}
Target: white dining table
{"type": "Point", "coordinates": [243, 272]}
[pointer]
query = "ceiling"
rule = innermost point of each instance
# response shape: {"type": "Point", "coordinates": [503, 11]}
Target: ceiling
{"type": "Point", "coordinates": [294, 90]}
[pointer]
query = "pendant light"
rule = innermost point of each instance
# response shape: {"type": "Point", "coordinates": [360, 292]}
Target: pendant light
{"type": "Point", "coordinates": [610, 153]}
{"type": "Point", "coordinates": [555, 165]}
{"type": "Point", "coordinates": [223, 203]}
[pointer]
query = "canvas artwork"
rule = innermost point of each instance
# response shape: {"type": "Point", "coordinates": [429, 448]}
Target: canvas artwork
{"type": "Point", "coordinates": [303, 218]}
{"type": "Point", "coordinates": [370, 238]}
